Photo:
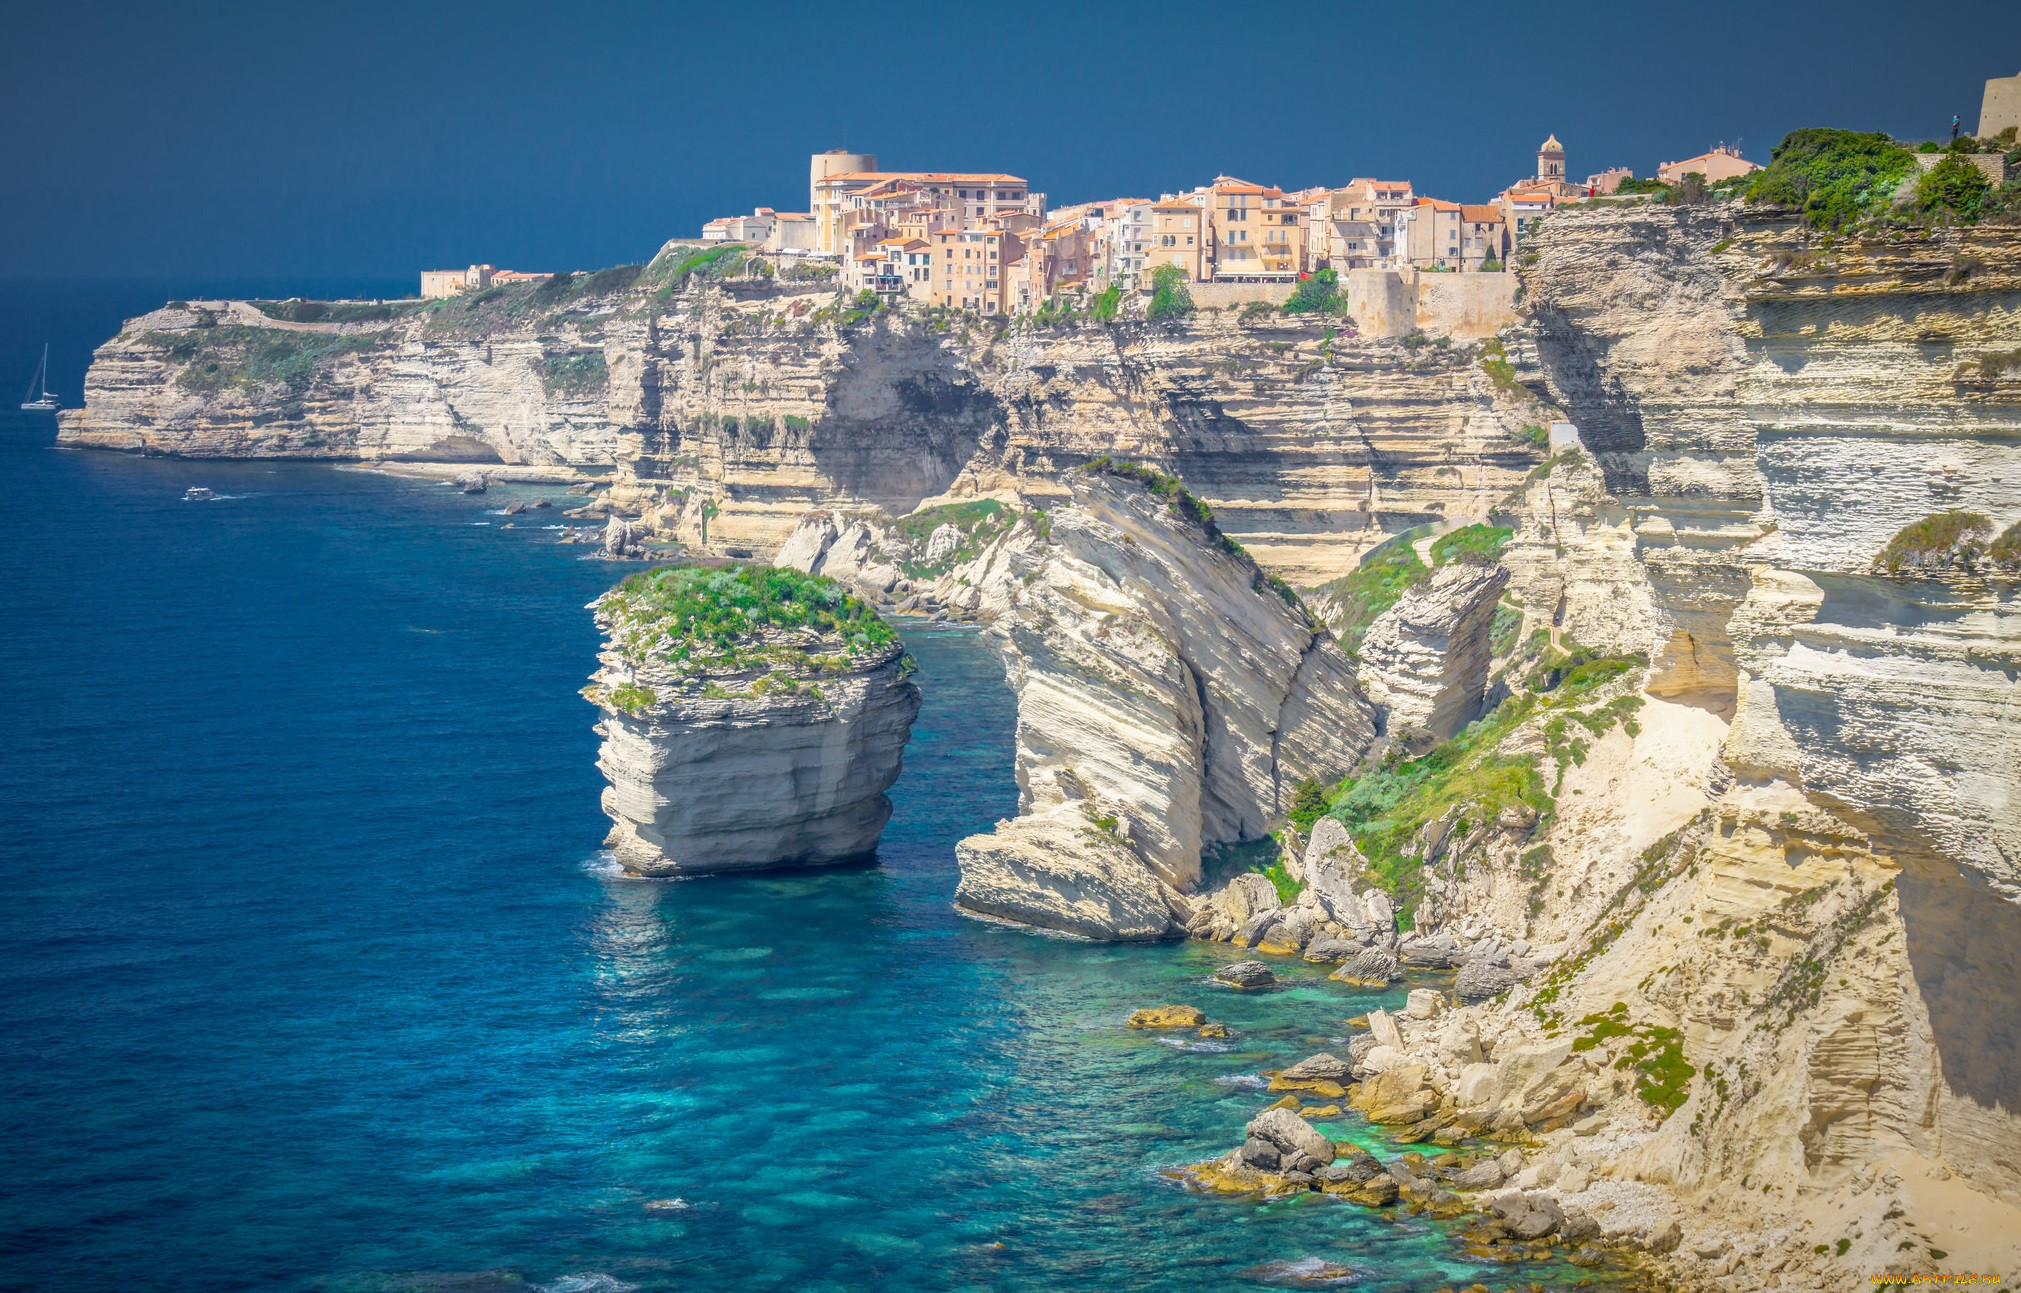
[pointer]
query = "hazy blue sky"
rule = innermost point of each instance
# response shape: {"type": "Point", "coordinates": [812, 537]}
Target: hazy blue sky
{"type": "Point", "coordinates": [271, 138]}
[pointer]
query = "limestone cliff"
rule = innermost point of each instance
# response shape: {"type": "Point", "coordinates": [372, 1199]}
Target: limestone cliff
{"type": "Point", "coordinates": [731, 403]}
{"type": "Point", "coordinates": [751, 718]}
{"type": "Point", "coordinates": [1170, 695]}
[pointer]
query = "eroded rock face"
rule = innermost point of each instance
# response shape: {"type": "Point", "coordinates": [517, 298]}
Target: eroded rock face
{"type": "Point", "coordinates": [1168, 696]}
{"type": "Point", "coordinates": [781, 758]}
{"type": "Point", "coordinates": [1426, 659]}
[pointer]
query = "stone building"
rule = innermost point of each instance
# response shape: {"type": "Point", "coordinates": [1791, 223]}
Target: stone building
{"type": "Point", "coordinates": [2001, 108]}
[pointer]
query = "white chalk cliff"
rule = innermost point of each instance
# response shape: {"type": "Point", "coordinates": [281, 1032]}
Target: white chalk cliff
{"type": "Point", "coordinates": [1168, 697]}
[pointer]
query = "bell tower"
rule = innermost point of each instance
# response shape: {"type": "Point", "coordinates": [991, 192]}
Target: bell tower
{"type": "Point", "coordinates": [1551, 161]}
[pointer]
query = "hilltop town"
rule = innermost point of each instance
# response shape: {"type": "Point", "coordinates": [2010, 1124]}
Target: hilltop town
{"type": "Point", "coordinates": [987, 242]}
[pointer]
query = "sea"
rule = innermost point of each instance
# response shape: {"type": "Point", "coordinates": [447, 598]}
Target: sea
{"type": "Point", "coordinates": [313, 975]}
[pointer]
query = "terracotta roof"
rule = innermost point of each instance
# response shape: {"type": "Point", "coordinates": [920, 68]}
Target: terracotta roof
{"type": "Point", "coordinates": [1438, 205]}
{"type": "Point", "coordinates": [1482, 214]}
{"type": "Point", "coordinates": [1177, 206]}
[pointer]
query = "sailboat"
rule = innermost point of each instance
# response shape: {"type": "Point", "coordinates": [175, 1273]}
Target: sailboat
{"type": "Point", "coordinates": [40, 398]}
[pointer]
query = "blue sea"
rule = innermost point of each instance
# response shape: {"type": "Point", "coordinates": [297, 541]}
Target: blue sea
{"type": "Point", "coordinates": [312, 976]}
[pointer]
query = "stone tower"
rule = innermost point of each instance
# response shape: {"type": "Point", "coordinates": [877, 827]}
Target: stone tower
{"type": "Point", "coordinates": [2001, 107]}
{"type": "Point", "coordinates": [835, 161]}
{"type": "Point", "coordinates": [1551, 161]}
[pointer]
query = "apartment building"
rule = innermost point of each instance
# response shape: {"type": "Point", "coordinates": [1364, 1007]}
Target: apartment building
{"type": "Point", "coordinates": [756, 227]}
{"type": "Point", "coordinates": [971, 198]}
{"type": "Point", "coordinates": [892, 268]}
{"type": "Point", "coordinates": [1254, 232]}
{"type": "Point", "coordinates": [1522, 208]}
{"type": "Point", "coordinates": [1483, 236]}
{"type": "Point", "coordinates": [1428, 235]}
{"type": "Point", "coordinates": [1722, 163]}
{"type": "Point", "coordinates": [968, 269]}
{"type": "Point", "coordinates": [1354, 227]}
{"type": "Point", "coordinates": [1178, 236]}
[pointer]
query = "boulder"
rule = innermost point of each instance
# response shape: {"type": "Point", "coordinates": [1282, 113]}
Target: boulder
{"type": "Point", "coordinates": [1358, 1048]}
{"type": "Point", "coordinates": [1330, 950]}
{"type": "Point", "coordinates": [1244, 896]}
{"type": "Point", "coordinates": [1245, 974]}
{"type": "Point", "coordinates": [1666, 1239]}
{"type": "Point", "coordinates": [1480, 980]}
{"type": "Point", "coordinates": [1288, 935]}
{"type": "Point", "coordinates": [1530, 1216]}
{"type": "Point", "coordinates": [1371, 967]}
{"type": "Point", "coordinates": [1168, 1017]}
{"type": "Point", "coordinates": [1379, 1059]}
{"type": "Point", "coordinates": [1392, 1086]}
{"type": "Point", "coordinates": [1259, 1153]}
{"type": "Point", "coordinates": [1317, 1068]}
{"type": "Point", "coordinates": [1253, 930]}
{"type": "Point", "coordinates": [1477, 1086]}
{"type": "Point", "coordinates": [1424, 1003]}
{"type": "Point", "coordinates": [1578, 1227]}
{"type": "Point", "coordinates": [1481, 1176]}
{"type": "Point", "coordinates": [1410, 1109]}
{"type": "Point", "coordinates": [1383, 1028]}
{"type": "Point", "coordinates": [621, 538]}
{"type": "Point", "coordinates": [1291, 1135]}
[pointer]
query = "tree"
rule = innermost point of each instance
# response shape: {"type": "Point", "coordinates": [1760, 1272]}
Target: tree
{"type": "Point", "coordinates": [1319, 294]}
{"type": "Point", "coordinates": [1690, 190]}
{"type": "Point", "coordinates": [1952, 191]}
{"type": "Point", "coordinates": [1834, 177]}
{"type": "Point", "coordinates": [1169, 297]}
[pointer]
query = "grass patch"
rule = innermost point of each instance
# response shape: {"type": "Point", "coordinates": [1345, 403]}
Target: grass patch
{"type": "Point", "coordinates": [298, 311]}
{"type": "Point", "coordinates": [1474, 545]}
{"type": "Point", "coordinates": [1656, 1054]}
{"type": "Point", "coordinates": [1954, 540]}
{"type": "Point", "coordinates": [979, 523]}
{"type": "Point", "coordinates": [254, 359]}
{"type": "Point", "coordinates": [632, 698]}
{"type": "Point", "coordinates": [575, 375]}
{"type": "Point", "coordinates": [700, 619]}
{"type": "Point", "coordinates": [1385, 574]}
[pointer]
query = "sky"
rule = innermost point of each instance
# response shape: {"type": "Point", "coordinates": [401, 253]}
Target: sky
{"type": "Point", "coordinates": [318, 139]}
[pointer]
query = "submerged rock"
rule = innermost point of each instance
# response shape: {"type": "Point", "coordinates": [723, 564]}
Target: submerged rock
{"type": "Point", "coordinates": [1168, 1017]}
{"type": "Point", "coordinates": [1245, 974]}
{"type": "Point", "coordinates": [751, 718]}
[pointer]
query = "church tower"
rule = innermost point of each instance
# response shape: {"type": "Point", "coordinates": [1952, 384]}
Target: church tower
{"type": "Point", "coordinates": [1551, 161]}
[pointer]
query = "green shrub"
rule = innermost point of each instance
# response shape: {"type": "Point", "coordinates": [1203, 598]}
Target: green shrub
{"type": "Point", "coordinates": [1953, 540]}
{"type": "Point", "coordinates": [1479, 545]}
{"type": "Point", "coordinates": [1833, 177]}
{"type": "Point", "coordinates": [794, 422]}
{"type": "Point", "coordinates": [1253, 311]}
{"type": "Point", "coordinates": [632, 698]}
{"type": "Point", "coordinates": [297, 311]}
{"type": "Point", "coordinates": [2005, 553]}
{"type": "Point", "coordinates": [1105, 305]}
{"type": "Point", "coordinates": [1646, 184]}
{"type": "Point", "coordinates": [1308, 804]}
{"type": "Point", "coordinates": [1534, 437]}
{"type": "Point", "coordinates": [979, 522]}
{"type": "Point", "coordinates": [1169, 297]}
{"type": "Point", "coordinates": [1951, 192]}
{"type": "Point", "coordinates": [1385, 574]}
{"type": "Point", "coordinates": [740, 617]}
{"type": "Point", "coordinates": [256, 359]}
{"type": "Point", "coordinates": [1319, 294]}
{"type": "Point", "coordinates": [579, 374]}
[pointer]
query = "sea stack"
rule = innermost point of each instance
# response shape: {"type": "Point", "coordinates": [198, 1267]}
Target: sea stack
{"type": "Point", "coordinates": [752, 717]}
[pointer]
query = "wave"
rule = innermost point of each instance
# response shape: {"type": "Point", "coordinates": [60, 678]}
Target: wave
{"type": "Point", "coordinates": [604, 865]}
{"type": "Point", "coordinates": [1208, 1048]}
{"type": "Point", "coordinates": [587, 1282]}
{"type": "Point", "coordinates": [1243, 1081]}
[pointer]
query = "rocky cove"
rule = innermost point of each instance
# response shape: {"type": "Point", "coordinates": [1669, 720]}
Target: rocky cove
{"type": "Point", "coordinates": [1709, 808]}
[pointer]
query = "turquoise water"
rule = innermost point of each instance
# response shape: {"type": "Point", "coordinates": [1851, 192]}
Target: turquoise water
{"type": "Point", "coordinates": [311, 976]}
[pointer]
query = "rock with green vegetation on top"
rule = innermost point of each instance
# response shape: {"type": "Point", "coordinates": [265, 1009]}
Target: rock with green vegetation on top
{"type": "Point", "coordinates": [752, 717]}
